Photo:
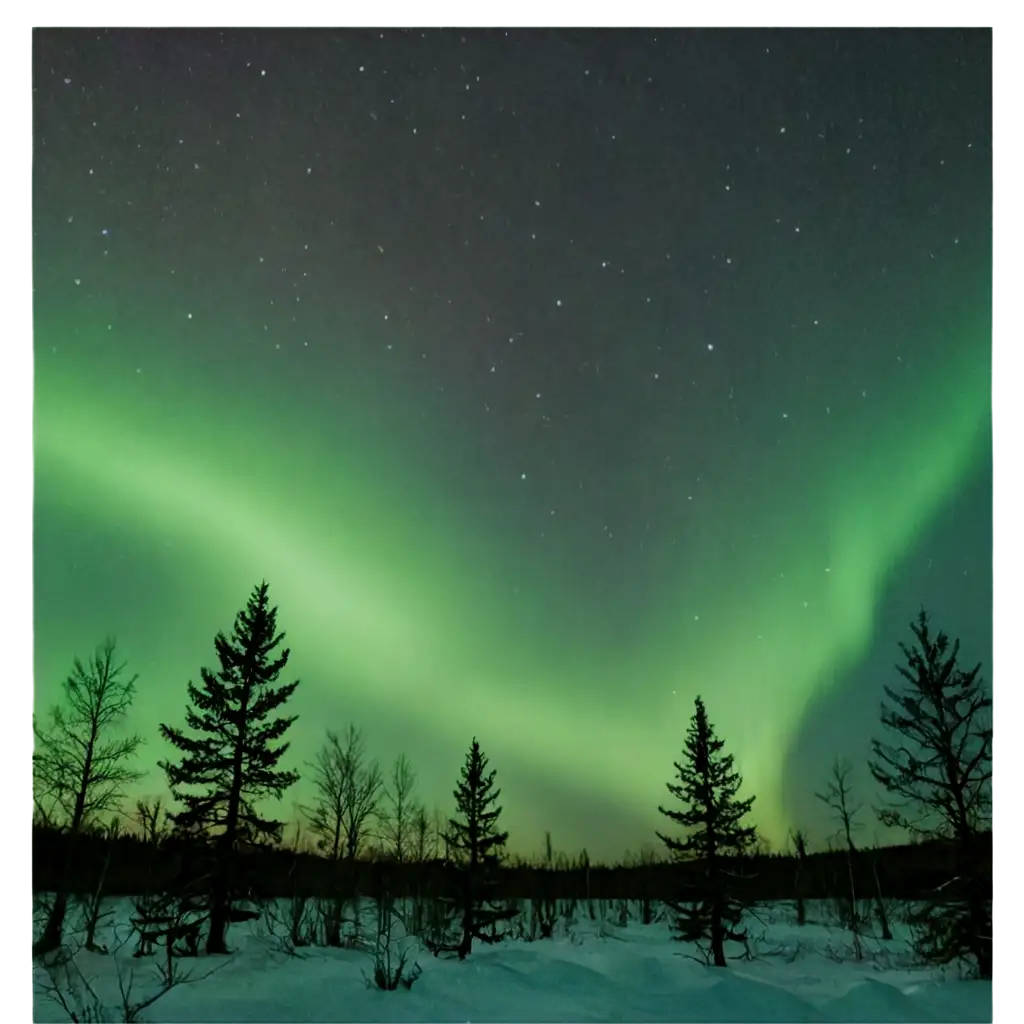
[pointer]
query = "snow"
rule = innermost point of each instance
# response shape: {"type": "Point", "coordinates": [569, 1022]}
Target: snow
{"type": "Point", "coordinates": [592, 970]}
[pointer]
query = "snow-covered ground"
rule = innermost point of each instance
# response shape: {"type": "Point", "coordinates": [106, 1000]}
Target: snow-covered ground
{"type": "Point", "coordinates": [593, 970]}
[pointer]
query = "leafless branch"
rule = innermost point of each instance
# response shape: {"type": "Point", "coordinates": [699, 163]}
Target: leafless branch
{"type": "Point", "coordinates": [348, 791]}
{"type": "Point", "coordinates": [399, 814]}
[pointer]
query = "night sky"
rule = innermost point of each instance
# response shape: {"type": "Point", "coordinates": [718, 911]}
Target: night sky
{"type": "Point", "coordinates": [550, 378]}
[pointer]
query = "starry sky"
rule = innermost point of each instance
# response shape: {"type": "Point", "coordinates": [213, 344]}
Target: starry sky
{"type": "Point", "coordinates": [550, 378]}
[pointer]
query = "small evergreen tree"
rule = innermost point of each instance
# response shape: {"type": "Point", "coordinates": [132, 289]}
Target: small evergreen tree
{"type": "Point", "coordinates": [230, 759]}
{"type": "Point", "coordinates": [477, 846]}
{"type": "Point", "coordinates": [937, 775]}
{"type": "Point", "coordinates": [707, 787]}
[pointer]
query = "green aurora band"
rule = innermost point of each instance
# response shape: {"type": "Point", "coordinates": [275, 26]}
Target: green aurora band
{"type": "Point", "coordinates": [388, 597]}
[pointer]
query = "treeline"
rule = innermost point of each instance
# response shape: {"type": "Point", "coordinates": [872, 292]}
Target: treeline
{"type": "Point", "coordinates": [196, 865]}
{"type": "Point", "coordinates": [130, 864]}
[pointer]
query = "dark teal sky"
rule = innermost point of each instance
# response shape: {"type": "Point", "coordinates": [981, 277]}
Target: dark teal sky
{"type": "Point", "coordinates": [550, 378]}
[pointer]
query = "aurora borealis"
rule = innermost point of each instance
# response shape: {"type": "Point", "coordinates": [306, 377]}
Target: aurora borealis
{"type": "Point", "coordinates": [550, 378]}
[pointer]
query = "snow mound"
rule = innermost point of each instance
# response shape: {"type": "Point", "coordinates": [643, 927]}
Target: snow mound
{"type": "Point", "coordinates": [592, 973]}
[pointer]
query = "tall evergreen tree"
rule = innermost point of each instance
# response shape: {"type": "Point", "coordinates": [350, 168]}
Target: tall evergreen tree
{"type": "Point", "coordinates": [713, 814]}
{"type": "Point", "coordinates": [231, 751]}
{"type": "Point", "coordinates": [937, 773]}
{"type": "Point", "coordinates": [476, 845]}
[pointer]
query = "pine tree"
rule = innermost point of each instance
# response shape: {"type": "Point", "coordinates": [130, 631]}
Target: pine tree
{"type": "Point", "coordinates": [230, 759]}
{"type": "Point", "coordinates": [477, 846]}
{"type": "Point", "coordinates": [707, 787]}
{"type": "Point", "coordinates": [938, 778]}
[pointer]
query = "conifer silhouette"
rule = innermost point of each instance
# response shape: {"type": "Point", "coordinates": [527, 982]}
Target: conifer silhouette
{"type": "Point", "coordinates": [231, 750]}
{"type": "Point", "coordinates": [713, 815]}
{"type": "Point", "coordinates": [937, 774]}
{"type": "Point", "coordinates": [476, 846]}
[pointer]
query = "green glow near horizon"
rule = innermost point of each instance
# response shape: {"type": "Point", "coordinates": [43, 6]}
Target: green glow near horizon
{"type": "Point", "coordinates": [380, 603]}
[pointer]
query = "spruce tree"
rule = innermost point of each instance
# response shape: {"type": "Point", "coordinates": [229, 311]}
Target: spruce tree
{"type": "Point", "coordinates": [477, 846]}
{"type": "Point", "coordinates": [937, 774]}
{"type": "Point", "coordinates": [713, 814]}
{"type": "Point", "coordinates": [231, 750]}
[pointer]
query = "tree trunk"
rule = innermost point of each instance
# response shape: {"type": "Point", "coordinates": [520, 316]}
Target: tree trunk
{"type": "Point", "coordinates": [883, 917]}
{"type": "Point", "coordinates": [801, 909]}
{"type": "Point", "coordinates": [469, 896]}
{"type": "Point", "coordinates": [95, 908]}
{"type": "Point", "coordinates": [215, 939]}
{"type": "Point", "coordinates": [980, 927]}
{"type": "Point", "coordinates": [981, 932]}
{"type": "Point", "coordinates": [53, 933]}
{"type": "Point", "coordinates": [468, 924]}
{"type": "Point", "coordinates": [717, 934]}
{"type": "Point", "coordinates": [54, 930]}
{"type": "Point", "coordinates": [854, 917]}
{"type": "Point", "coordinates": [220, 902]}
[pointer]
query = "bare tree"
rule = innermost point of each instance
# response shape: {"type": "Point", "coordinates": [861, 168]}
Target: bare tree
{"type": "Point", "coordinates": [424, 842]}
{"type": "Point", "coordinates": [441, 840]}
{"type": "Point", "coordinates": [80, 767]}
{"type": "Point", "coordinates": [837, 799]}
{"type": "Point", "coordinates": [45, 808]}
{"type": "Point", "coordinates": [151, 818]}
{"type": "Point", "coordinates": [398, 816]}
{"type": "Point", "coordinates": [799, 838]}
{"type": "Point", "coordinates": [348, 791]}
{"type": "Point", "coordinates": [937, 774]}
{"type": "Point", "coordinates": [881, 909]}
{"type": "Point", "coordinates": [646, 861]}
{"type": "Point", "coordinates": [93, 904]}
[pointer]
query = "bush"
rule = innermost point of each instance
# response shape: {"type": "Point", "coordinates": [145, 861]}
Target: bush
{"type": "Point", "coordinates": [391, 954]}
